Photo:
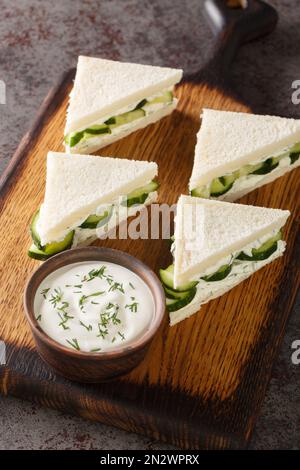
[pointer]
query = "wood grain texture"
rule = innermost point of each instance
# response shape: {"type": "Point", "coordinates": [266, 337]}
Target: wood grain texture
{"type": "Point", "coordinates": [203, 381]}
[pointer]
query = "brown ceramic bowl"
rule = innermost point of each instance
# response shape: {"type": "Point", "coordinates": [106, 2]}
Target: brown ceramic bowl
{"type": "Point", "coordinates": [93, 367]}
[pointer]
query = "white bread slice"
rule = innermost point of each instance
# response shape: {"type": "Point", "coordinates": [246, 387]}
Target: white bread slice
{"type": "Point", "coordinates": [228, 140]}
{"type": "Point", "coordinates": [102, 87]}
{"type": "Point", "coordinates": [98, 142]}
{"type": "Point", "coordinates": [77, 185]}
{"type": "Point", "coordinates": [207, 231]}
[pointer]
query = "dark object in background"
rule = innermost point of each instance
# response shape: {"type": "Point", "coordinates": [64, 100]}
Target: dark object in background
{"type": "Point", "coordinates": [234, 27]}
{"type": "Point", "coordinates": [237, 3]}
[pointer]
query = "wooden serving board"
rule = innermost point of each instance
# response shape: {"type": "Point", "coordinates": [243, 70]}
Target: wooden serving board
{"type": "Point", "coordinates": [203, 381]}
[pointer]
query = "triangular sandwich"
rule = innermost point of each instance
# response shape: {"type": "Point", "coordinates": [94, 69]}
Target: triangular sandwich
{"type": "Point", "coordinates": [111, 99]}
{"type": "Point", "coordinates": [239, 152]}
{"type": "Point", "coordinates": [216, 246]}
{"type": "Point", "coordinates": [86, 195]}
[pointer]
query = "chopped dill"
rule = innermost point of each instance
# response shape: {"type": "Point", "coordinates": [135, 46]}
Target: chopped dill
{"type": "Point", "coordinates": [44, 292]}
{"type": "Point", "coordinates": [74, 344]}
{"type": "Point", "coordinates": [87, 327]}
{"type": "Point", "coordinates": [100, 273]}
{"type": "Point", "coordinates": [84, 298]}
{"type": "Point", "coordinates": [116, 286]}
{"type": "Point", "coordinates": [132, 307]}
{"type": "Point", "coordinates": [56, 297]}
{"type": "Point", "coordinates": [121, 335]}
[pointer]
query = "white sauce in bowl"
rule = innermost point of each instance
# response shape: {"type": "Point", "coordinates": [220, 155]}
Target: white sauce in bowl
{"type": "Point", "coordinates": [94, 306]}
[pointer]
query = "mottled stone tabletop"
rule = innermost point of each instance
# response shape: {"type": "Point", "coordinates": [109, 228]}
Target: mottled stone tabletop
{"type": "Point", "coordinates": [39, 40]}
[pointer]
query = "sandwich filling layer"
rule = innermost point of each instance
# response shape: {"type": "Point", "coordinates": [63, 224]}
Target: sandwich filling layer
{"type": "Point", "coordinates": [130, 118]}
{"type": "Point", "coordinates": [250, 176]}
{"type": "Point", "coordinates": [208, 291]}
{"type": "Point", "coordinates": [85, 236]}
{"type": "Point", "coordinates": [218, 279]}
{"type": "Point", "coordinates": [95, 225]}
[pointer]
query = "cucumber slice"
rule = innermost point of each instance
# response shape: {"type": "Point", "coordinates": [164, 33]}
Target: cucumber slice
{"type": "Point", "coordinates": [221, 185]}
{"type": "Point", "coordinates": [247, 169]}
{"type": "Point", "coordinates": [262, 168]}
{"type": "Point", "coordinates": [277, 159]}
{"type": "Point", "coordinates": [295, 148]}
{"type": "Point", "coordinates": [294, 156]}
{"type": "Point", "coordinates": [139, 195]}
{"type": "Point", "coordinates": [263, 252]}
{"type": "Point", "coordinates": [51, 248]}
{"type": "Point", "coordinates": [33, 230]}
{"type": "Point", "coordinates": [97, 129]}
{"type": "Point", "coordinates": [166, 97]}
{"type": "Point", "coordinates": [257, 256]}
{"type": "Point", "coordinates": [218, 275]}
{"type": "Point", "coordinates": [167, 278]}
{"type": "Point", "coordinates": [265, 167]}
{"type": "Point", "coordinates": [74, 138]}
{"type": "Point", "coordinates": [95, 221]}
{"type": "Point", "coordinates": [36, 253]}
{"type": "Point", "coordinates": [125, 118]}
{"type": "Point", "coordinates": [175, 294]}
{"type": "Point", "coordinates": [133, 201]}
{"type": "Point", "coordinates": [56, 247]}
{"type": "Point", "coordinates": [141, 104]}
{"type": "Point", "coordinates": [201, 191]}
{"type": "Point", "coordinates": [178, 303]}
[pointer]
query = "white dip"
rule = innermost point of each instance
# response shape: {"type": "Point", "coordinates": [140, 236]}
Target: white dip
{"type": "Point", "coordinates": [93, 306]}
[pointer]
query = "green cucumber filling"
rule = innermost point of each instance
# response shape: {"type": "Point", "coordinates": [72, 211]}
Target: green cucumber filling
{"type": "Point", "coordinates": [223, 184]}
{"type": "Point", "coordinates": [184, 294]}
{"type": "Point", "coordinates": [51, 249]}
{"type": "Point", "coordinates": [93, 221]}
{"type": "Point", "coordinates": [141, 109]}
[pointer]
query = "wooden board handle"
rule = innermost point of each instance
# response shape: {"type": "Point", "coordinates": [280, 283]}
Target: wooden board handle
{"type": "Point", "coordinates": [233, 27]}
